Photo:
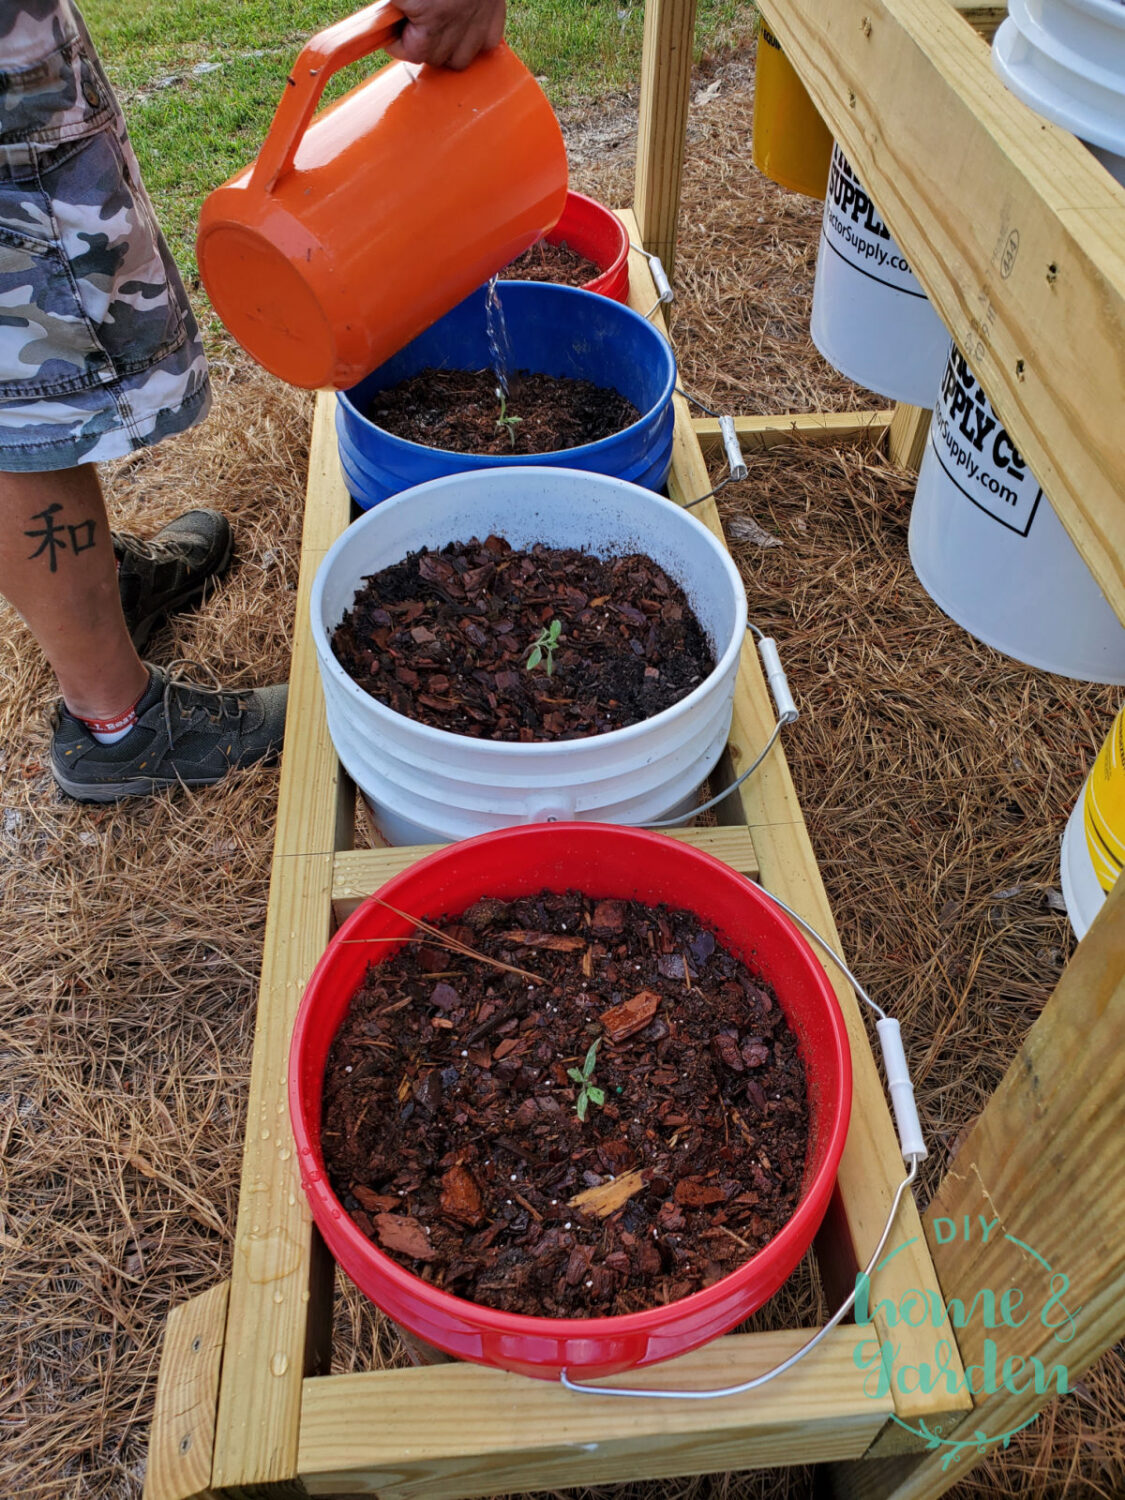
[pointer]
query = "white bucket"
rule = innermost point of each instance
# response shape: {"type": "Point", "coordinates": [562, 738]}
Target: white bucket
{"type": "Point", "coordinates": [989, 549]}
{"type": "Point", "coordinates": [870, 317]}
{"type": "Point", "coordinates": [1066, 60]}
{"type": "Point", "coordinates": [1093, 846]}
{"type": "Point", "coordinates": [428, 785]}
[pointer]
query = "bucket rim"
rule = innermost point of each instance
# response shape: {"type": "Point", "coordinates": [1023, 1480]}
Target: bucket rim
{"type": "Point", "coordinates": [589, 744]}
{"type": "Point", "coordinates": [608, 273]}
{"type": "Point", "coordinates": [1080, 888]}
{"type": "Point", "coordinates": [500, 460]}
{"type": "Point", "coordinates": [1049, 99]}
{"type": "Point", "coordinates": [1102, 10]}
{"type": "Point", "coordinates": [493, 1320]}
{"type": "Point", "coordinates": [1086, 69]}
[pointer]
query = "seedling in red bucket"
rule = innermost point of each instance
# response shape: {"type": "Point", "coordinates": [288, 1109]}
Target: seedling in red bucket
{"type": "Point", "coordinates": [545, 644]}
{"type": "Point", "coordinates": [589, 1093]}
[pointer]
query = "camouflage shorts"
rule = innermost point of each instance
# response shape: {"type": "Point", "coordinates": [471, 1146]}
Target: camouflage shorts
{"type": "Point", "coordinates": [99, 352]}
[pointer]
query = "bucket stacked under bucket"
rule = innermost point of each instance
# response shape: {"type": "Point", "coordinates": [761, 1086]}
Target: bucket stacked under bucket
{"type": "Point", "coordinates": [619, 863]}
{"type": "Point", "coordinates": [1093, 846]}
{"type": "Point", "coordinates": [554, 330]}
{"type": "Point", "coordinates": [871, 318]}
{"type": "Point", "coordinates": [988, 548]}
{"type": "Point", "coordinates": [1066, 60]}
{"type": "Point", "coordinates": [427, 785]}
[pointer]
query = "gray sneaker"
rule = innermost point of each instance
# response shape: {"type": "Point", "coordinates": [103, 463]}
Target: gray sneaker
{"type": "Point", "coordinates": [185, 735]}
{"type": "Point", "coordinates": [172, 570]}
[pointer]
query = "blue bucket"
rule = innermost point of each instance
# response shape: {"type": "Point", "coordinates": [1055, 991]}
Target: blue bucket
{"type": "Point", "coordinates": [554, 330]}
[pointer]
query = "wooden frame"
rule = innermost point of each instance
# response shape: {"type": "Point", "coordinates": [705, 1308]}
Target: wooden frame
{"type": "Point", "coordinates": [243, 1404]}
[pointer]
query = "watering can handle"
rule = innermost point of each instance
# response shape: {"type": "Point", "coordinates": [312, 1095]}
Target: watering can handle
{"type": "Point", "coordinates": [324, 54]}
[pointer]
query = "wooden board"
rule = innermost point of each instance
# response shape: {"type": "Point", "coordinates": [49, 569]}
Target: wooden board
{"type": "Point", "coordinates": [984, 19]}
{"type": "Point", "coordinates": [906, 437]}
{"type": "Point", "coordinates": [459, 1430]}
{"type": "Point", "coordinates": [662, 127]}
{"type": "Point", "coordinates": [756, 434]}
{"type": "Point", "coordinates": [358, 872]}
{"type": "Point", "coordinates": [182, 1437]}
{"type": "Point", "coordinates": [1014, 229]}
{"type": "Point", "coordinates": [872, 1164]}
{"type": "Point", "coordinates": [280, 1278]}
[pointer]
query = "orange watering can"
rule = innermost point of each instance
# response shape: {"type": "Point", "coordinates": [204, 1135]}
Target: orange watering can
{"type": "Point", "coordinates": [354, 231]}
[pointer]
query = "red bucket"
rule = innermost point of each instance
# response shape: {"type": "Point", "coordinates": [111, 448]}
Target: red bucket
{"type": "Point", "coordinates": [595, 232]}
{"type": "Point", "coordinates": [604, 861]}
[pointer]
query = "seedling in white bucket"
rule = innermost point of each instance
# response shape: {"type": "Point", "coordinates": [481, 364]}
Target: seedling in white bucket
{"type": "Point", "coordinates": [545, 645]}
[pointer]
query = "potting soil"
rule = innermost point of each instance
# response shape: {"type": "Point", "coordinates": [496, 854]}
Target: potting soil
{"type": "Point", "coordinates": [458, 411]}
{"type": "Point", "coordinates": [547, 262]}
{"type": "Point", "coordinates": [445, 638]}
{"type": "Point", "coordinates": [451, 1127]}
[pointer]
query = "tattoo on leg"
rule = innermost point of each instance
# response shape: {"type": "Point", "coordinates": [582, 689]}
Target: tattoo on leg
{"type": "Point", "coordinates": [82, 537]}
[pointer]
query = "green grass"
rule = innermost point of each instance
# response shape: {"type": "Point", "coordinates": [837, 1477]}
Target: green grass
{"type": "Point", "coordinates": [192, 130]}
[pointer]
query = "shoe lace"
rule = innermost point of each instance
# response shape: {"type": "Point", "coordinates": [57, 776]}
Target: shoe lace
{"type": "Point", "coordinates": [149, 548]}
{"type": "Point", "coordinates": [228, 702]}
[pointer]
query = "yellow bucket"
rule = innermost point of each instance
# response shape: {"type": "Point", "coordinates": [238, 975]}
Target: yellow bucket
{"type": "Point", "coordinates": [1104, 816]}
{"type": "Point", "coordinates": [791, 144]}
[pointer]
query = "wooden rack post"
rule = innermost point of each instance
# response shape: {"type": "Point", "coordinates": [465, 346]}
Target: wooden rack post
{"type": "Point", "coordinates": [662, 126]}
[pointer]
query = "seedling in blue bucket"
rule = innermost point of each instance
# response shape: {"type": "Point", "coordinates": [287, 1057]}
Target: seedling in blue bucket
{"type": "Point", "coordinates": [505, 421]}
{"type": "Point", "coordinates": [545, 645]}
{"type": "Point", "coordinates": [589, 1093]}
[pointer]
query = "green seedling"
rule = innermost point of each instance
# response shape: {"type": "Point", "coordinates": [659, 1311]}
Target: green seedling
{"type": "Point", "coordinates": [545, 645]}
{"type": "Point", "coordinates": [505, 421]}
{"type": "Point", "coordinates": [589, 1093]}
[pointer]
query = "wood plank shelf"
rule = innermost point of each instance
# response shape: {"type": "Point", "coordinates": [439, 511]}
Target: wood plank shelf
{"type": "Point", "coordinates": [282, 1426]}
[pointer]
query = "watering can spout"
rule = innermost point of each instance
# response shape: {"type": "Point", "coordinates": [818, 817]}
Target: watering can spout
{"type": "Point", "coordinates": [358, 227]}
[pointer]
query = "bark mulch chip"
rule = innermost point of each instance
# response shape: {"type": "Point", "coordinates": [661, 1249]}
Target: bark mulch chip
{"type": "Point", "coordinates": [547, 262]}
{"type": "Point", "coordinates": [458, 411]}
{"type": "Point", "coordinates": [444, 638]}
{"type": "Point", "coordinates": [451, 1130]}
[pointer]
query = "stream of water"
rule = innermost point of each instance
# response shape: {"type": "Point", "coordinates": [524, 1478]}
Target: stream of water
{"type": "Point", "coordinates": [499, 344]}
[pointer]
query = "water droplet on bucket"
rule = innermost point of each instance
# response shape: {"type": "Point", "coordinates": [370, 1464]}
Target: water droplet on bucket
{"type": "Point", "coordinates": [265, 1133]}
{"type": "Point", "coordinates": [279, 1364]}
{"type": "Point", "coordinates": [277, 1297]}
{"type": "Point", "coordinates": [284, 1154]}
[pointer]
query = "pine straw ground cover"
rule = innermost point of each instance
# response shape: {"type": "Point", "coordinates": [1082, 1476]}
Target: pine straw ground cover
{"type": "Point", "coordinates": [936, 777]}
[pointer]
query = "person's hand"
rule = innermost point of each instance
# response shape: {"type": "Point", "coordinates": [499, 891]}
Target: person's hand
{"type": "Point", "coordinates": [448, 33]}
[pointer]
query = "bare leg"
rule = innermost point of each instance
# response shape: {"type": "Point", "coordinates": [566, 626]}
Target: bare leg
{"type": "Point", "coordinates": [57, 568]}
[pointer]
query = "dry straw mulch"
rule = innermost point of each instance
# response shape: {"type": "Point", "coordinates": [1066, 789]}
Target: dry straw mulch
{"type": "Point", "coordinates": [935, 774]}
